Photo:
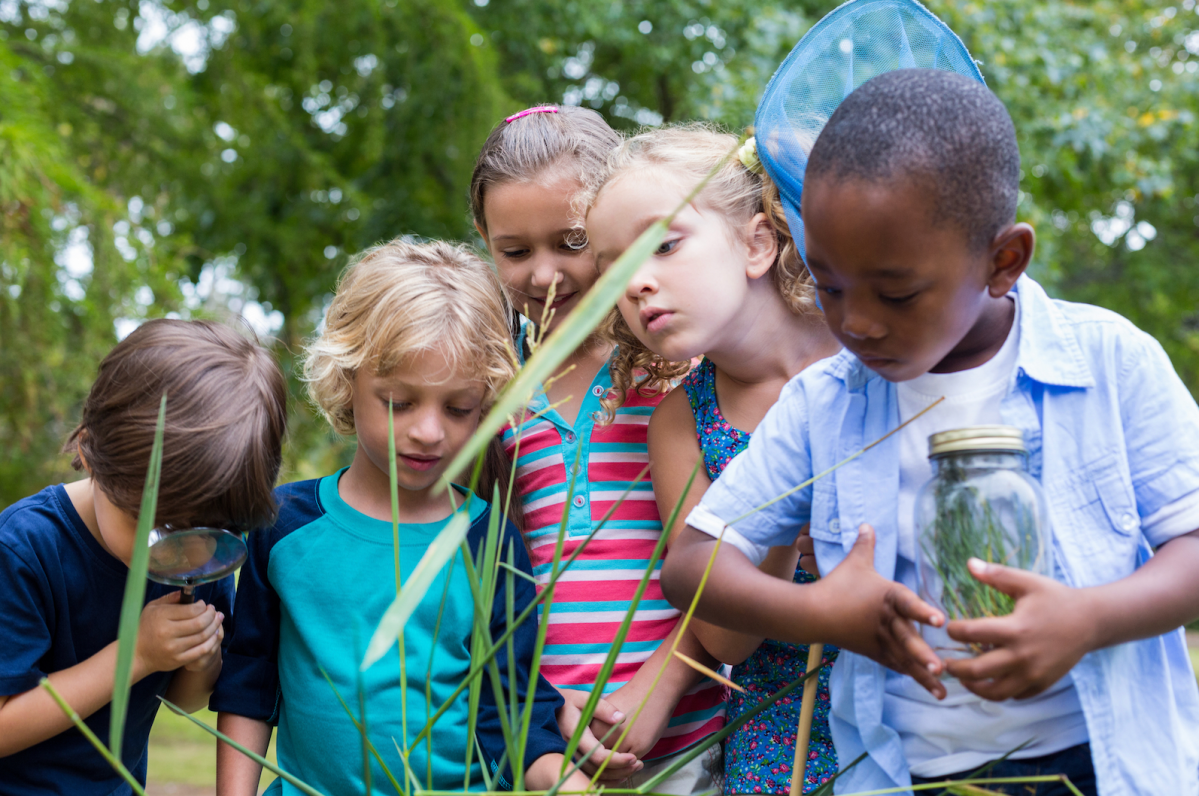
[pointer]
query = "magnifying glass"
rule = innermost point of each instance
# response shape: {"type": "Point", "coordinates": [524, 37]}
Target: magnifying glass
{"type": "Point", "coordinates": [189, 557]}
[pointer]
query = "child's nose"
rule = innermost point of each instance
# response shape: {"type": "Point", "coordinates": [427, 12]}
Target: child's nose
{"type": "Point", "coordinates": [427, 429]}
{"type": "Point", "coordinates": [642, 284]}
{"type": "Point", "coordinates": [545, 272]}
{"type": "Point", "coordinates": [859, 325]}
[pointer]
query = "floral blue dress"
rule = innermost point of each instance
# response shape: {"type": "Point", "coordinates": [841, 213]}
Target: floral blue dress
{"type": "Point", "coordinates": [759, 755]}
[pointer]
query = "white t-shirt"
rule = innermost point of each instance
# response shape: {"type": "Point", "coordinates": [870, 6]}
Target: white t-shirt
{"type": "Point", "coordinates": [963, 731]}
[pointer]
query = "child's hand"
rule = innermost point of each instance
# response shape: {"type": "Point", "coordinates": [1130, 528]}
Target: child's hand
{"type": "Point", "coordinates": [171, 636]}
{"type": "Point", "coordinates": [874, 616]}
{"type": "Point", "coordinates": [203, 663]}
{"type": "Point", "coordinates": [646, 730]}
{"type": "Point", "coordinates": [1034, 646]}
{"type": "Point", "coordinates": [590, 748]}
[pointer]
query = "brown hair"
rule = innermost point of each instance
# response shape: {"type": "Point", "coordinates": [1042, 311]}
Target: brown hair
{"type": "Point", "coordinates": [691, 151]}
{"type": "Point", "coordinates": [225, 420]}
{"type": "Point", "coordinates": [573, 138]}
{"type": "Point", "coordinates": [403, 298]}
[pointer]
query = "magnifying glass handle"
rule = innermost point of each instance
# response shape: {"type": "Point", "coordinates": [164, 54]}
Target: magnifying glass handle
{"type": "Point", "coordinates": [188, 596]}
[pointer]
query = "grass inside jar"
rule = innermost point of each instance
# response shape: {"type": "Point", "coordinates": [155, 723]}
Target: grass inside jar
{"type": "Point", "coordinates": [967, 526]}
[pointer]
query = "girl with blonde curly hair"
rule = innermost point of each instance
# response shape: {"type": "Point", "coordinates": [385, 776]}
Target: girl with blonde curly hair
{"type": "Point", "coordinates": [726, 283]}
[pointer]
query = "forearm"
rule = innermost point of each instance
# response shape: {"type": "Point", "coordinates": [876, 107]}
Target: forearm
{"type": "Point", "coordinates": [543, 775]}
{"type": "Point", "coordinates": [1159, 597]}
{"type": "Point", "coordinates": [32, 717]}
{"type": "Point", "coordinates": [739, 595]}
{"type": "Point", "coordinates": [731, 646]}
{"type": "Point", "coordinates": [677, 678]}
{"type": "Point", "coordinates": [236, 774]}
{"type": "Point", "coordinates": [190, 690]}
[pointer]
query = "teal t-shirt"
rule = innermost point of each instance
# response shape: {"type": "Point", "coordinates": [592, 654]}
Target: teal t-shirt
{"type": "Point", "coordinates": [335, 577]}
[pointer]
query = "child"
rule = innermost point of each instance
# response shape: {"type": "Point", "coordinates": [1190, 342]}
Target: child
{"type": "Point", "coordinates": [909, 205]}
{"type": "Point", "coordinates": [64, 551]}
{"type": "Point", "coordinates": [722, 285]}
{"type": "Point", "coordinates": [523, 195]}
{"type": "Point", "coordinates": [422, 329]}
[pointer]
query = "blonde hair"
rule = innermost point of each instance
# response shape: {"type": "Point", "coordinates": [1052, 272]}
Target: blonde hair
{"type": "Point", "coordinates": [401, 299]}
{"type": "Point", "coordinates": [691, 151]}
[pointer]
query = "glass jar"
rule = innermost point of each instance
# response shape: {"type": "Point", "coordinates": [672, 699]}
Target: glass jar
{"type": "Point", "coordinates": [980, 503]}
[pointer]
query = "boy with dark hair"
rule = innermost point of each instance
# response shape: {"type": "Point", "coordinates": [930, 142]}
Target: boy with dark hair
{"type": "Point", "coordinates": [909, 210]}
{"type": "Point", "coordinates": [64, 552]}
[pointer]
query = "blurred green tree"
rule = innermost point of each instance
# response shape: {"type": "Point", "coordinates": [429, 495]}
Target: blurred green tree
{"type": "Point", "coordinates": [213, 156]}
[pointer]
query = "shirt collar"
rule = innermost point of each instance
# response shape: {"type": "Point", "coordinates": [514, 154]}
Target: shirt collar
{"type": "Point", "coordinates": [1049, 351]}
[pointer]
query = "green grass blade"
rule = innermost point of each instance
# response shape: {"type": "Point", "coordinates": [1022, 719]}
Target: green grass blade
{"type": "Point", "coordinates": [439, 553]}
{"type": "Point", "coordinates": [445, 594]}
{"type": "Point", "coordinates": [826, 788]}
{"type": "Point", "coordinates": [393, 481]}
{"type": "Point", "coordinates": [478, 662]}
{"type": "Point", "coordinates": [259, 759]}
{"type": "Point", "coordinates": [570, 334]}
{"type": "Point", "coordinates": [623, 631]}
{"type": "Point", "coordinates": [135, 590]}
{"type": "Point", "coordinates": [113, 760]}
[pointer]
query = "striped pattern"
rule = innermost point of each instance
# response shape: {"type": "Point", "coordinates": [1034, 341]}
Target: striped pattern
{"type": "Point", "coordinates": [593, 597]}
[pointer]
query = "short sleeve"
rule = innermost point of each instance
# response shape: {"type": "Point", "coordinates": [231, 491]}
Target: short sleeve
{"type": "Point", "coordinates": [777, 460]}
{"type": "Point", "coordinates": [1161, 428]}
{"type": "Point", "coordinates": [24, 632]}
{"type": "Point", "coordinates": [249, 681]}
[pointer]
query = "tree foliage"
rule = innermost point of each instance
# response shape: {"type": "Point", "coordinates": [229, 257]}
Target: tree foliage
{"type": "Point", "coordinates": [217, 157]}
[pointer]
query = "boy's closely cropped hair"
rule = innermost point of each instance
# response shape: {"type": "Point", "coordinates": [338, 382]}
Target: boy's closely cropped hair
{"type": "Point", "coordinates": [909, 209]}
{"type": "Point", "coordinates": [64, 552]}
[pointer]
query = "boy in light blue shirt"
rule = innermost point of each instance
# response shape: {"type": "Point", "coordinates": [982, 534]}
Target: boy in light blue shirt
{"type": "Point", "coordinates": [909, 210]}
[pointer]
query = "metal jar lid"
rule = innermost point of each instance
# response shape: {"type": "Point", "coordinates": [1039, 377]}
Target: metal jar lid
{"type": "Point", "coordinates": [977, 438]}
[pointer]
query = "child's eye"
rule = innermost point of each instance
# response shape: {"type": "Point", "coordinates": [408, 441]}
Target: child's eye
{"type": "Point", "coordinates": [829, 291]}
{"type": "Point", "coordinates": [513, 254]}
{"type": "Point", "coordinates": [459, 411]}
{"type": "Point", "coordinates": [396, 406]}
{"type": "Point", "coordinates": [900, 299]}
{"type": "Point", "coordinates": [667, 246]}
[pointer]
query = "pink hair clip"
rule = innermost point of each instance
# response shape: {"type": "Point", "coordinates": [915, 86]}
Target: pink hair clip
{"type": "Point", "coordinates": [527, 111]}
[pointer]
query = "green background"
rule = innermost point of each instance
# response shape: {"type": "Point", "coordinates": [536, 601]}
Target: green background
{"type": "Point", "coordinates": [212, 159]}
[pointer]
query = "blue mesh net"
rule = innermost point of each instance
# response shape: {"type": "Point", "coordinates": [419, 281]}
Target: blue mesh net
{"type": "Point", "coordinates": [859, 40]}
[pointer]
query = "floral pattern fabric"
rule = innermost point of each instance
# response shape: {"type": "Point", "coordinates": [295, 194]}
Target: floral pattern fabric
{"type": "Point", "coordinates": [758, 757]}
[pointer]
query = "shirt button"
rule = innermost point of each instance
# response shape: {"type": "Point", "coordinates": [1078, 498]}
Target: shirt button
{"type": "Point", "coordinates": [579, 501]}
{"type": "Point", "coordinates": [570, 437]}
{"type": "Point", "coordinates": [1128, 522]}
{"type": "Point", "coordinates": [834, 525]}
{"type": "Point", "coordinates": [597, 391]}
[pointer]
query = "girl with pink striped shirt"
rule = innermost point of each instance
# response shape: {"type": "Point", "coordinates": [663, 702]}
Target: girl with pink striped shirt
{"type": "Point", "coordinates": [523, 197]}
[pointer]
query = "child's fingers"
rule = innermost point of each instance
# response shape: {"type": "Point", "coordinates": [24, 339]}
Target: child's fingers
{"type": "Point", "coordinates": [1008, 580]}
{"type": "Point", "coordinates": [994, 665]}
{"type": "Point", "coordinates": [994, 690]}
{"type": "Point", "coordinates": [200, 651]}
{"type": "Point", "coordinates": [909, 606]}
{"type": "Point", "coordinates": [166, 599]}
{"type": "Point", "coordinates": [915, 647]}
{"type": "Point", "coordinates": [606, 712]}
{"type": "Point", "coordinates": [997, 631]}
{"type": "Point", "coordinates": [200, 628]}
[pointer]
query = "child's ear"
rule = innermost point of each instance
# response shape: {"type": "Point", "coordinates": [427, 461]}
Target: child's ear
{"type": "Point", "coordinates": [763, 245]}
{"type": "Point", "coordinates": [482, 234]}
{"type": "Point", "coordinates": [1011, 252]}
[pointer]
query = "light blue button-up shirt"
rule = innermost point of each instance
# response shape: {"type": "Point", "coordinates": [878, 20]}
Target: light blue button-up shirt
{"type": "Point", "coordinates": [1113, 436]}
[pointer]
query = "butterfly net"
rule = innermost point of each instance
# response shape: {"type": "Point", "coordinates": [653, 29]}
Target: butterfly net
{"type": "Point", "coordinates": [859, 40]}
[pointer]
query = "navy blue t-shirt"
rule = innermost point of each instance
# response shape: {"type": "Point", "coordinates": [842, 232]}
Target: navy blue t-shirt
{"type": "Point", "coordinates": [60, 604]}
